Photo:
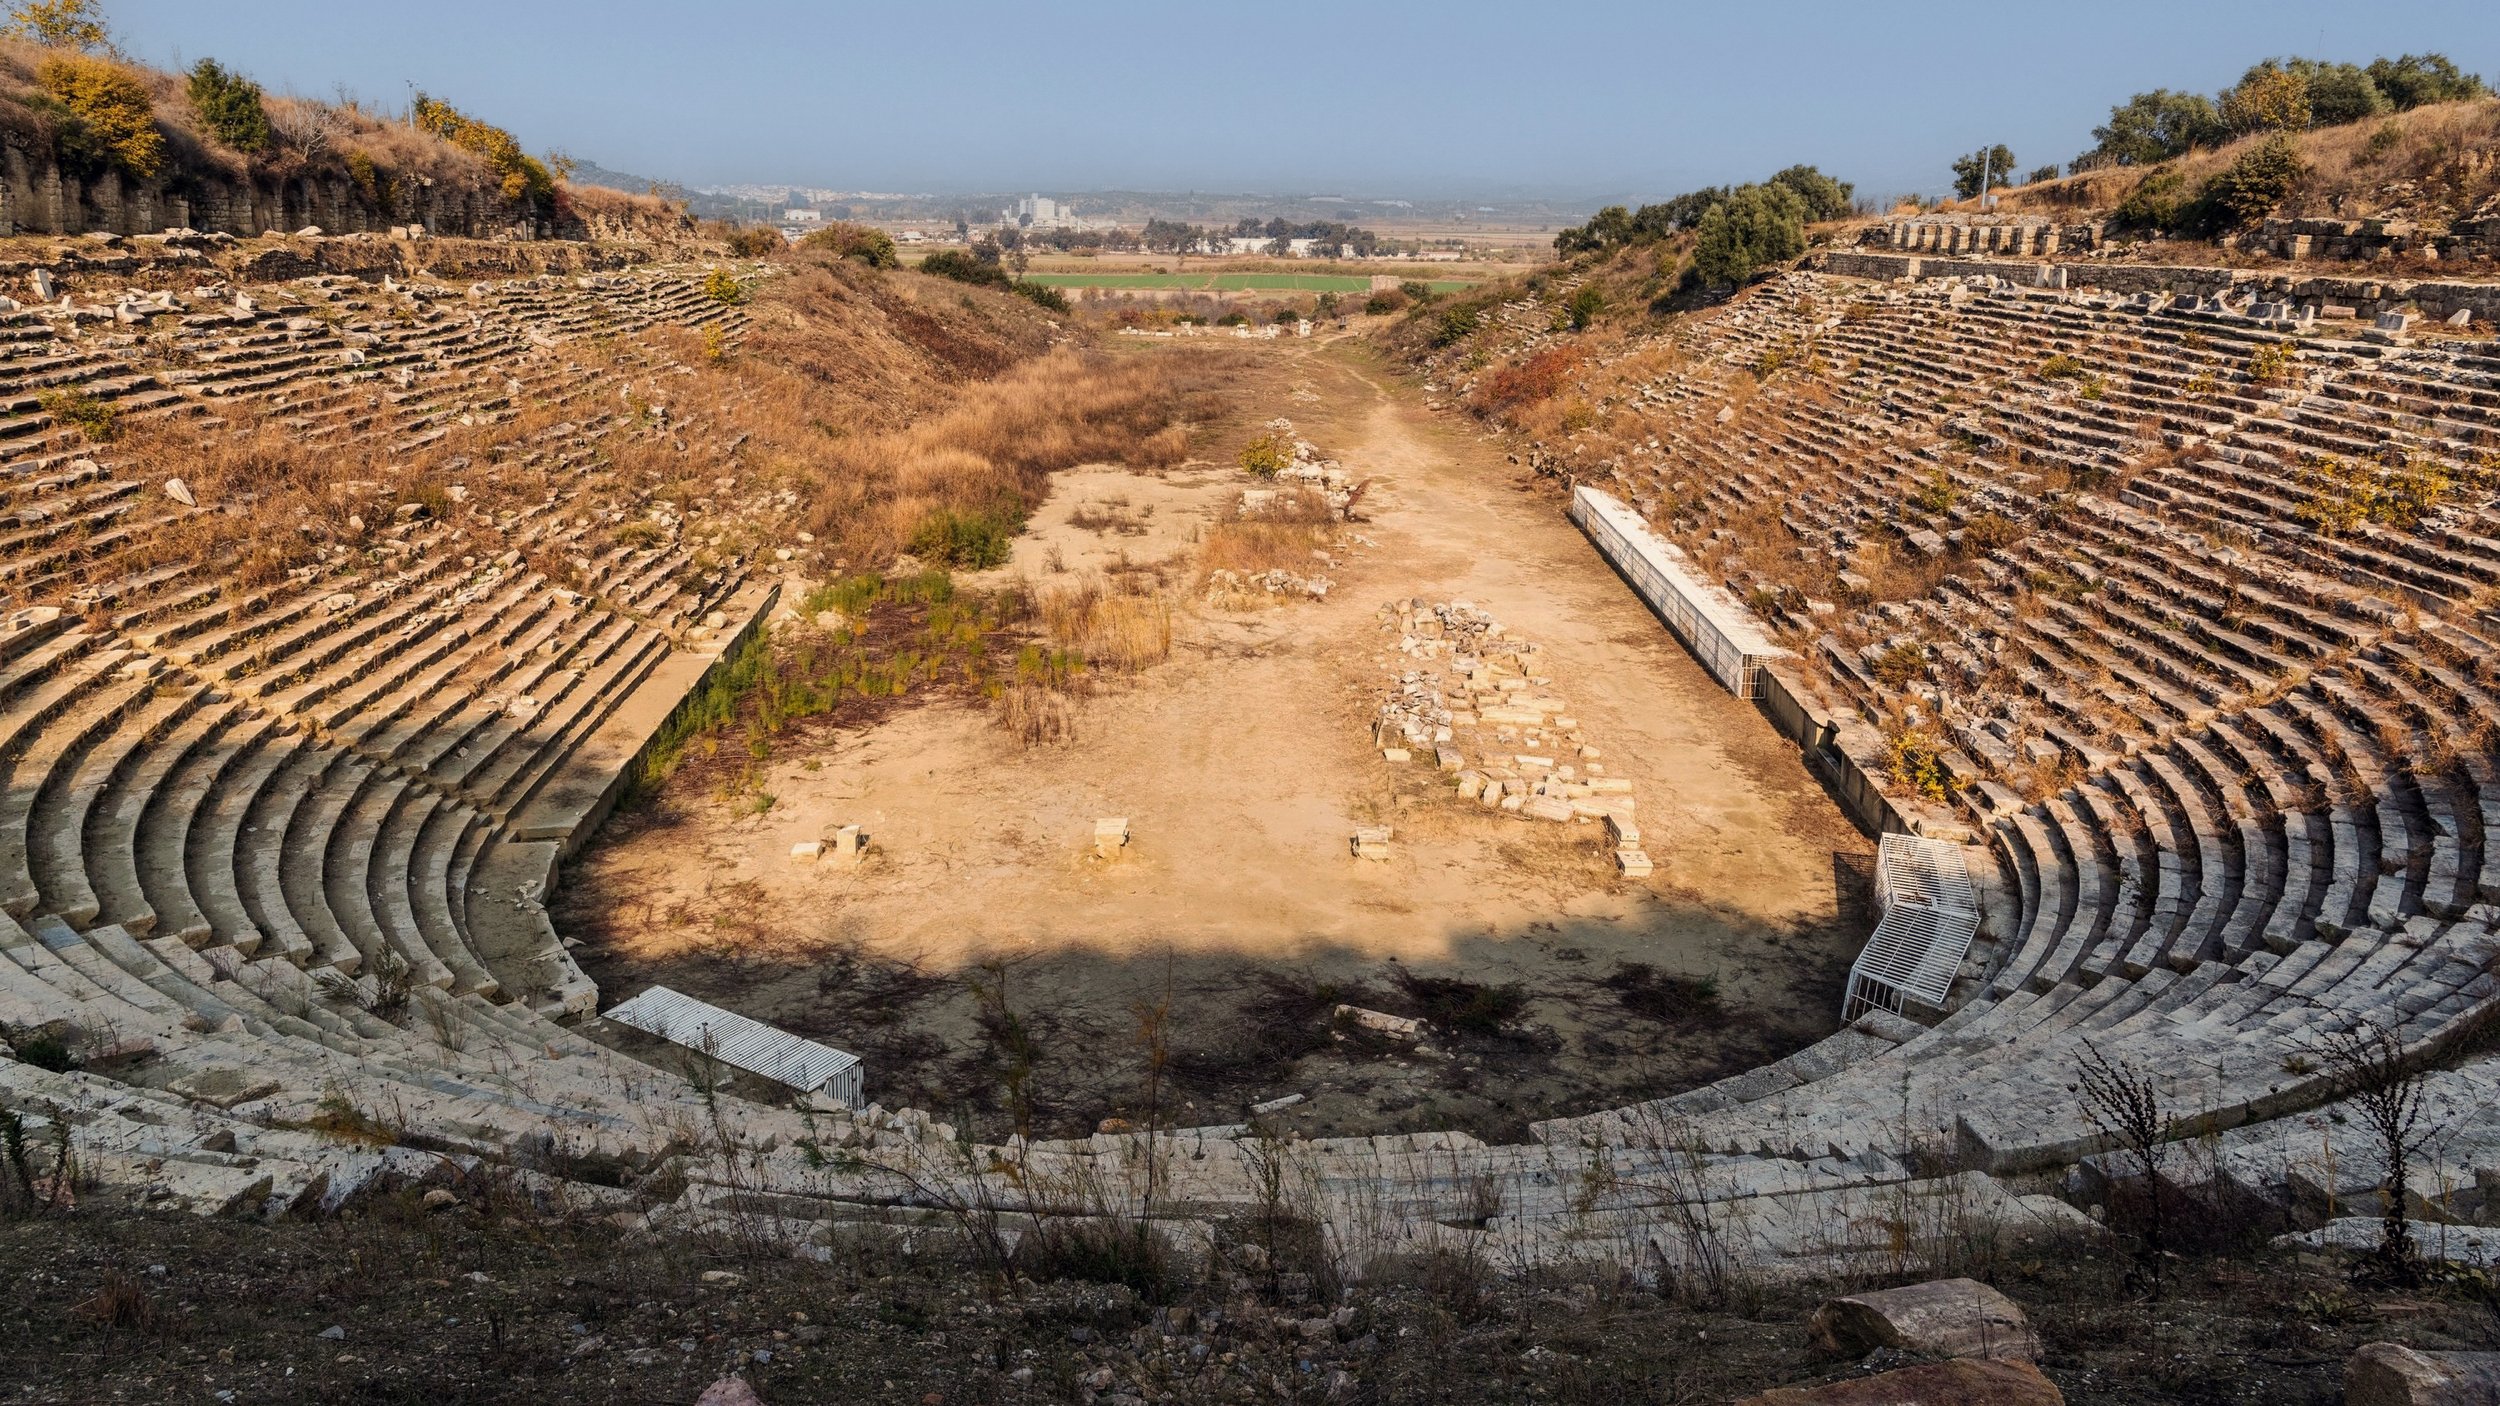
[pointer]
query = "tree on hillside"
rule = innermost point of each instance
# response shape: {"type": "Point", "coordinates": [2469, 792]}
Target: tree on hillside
{"type": "Point", "coordinates": [2269, 97]}
{"type": "Point", "coordinates": [62, 24]}
{"type": "Point", "coordinates": [2154, 127]}
{"type": "Point", "coordinates": [2337, 92]}
{"type": "Point", "coordinates": [1995, 165]}
{"type": "Point", "coordinates": [229, 105]}
{"type": "Point", "coordinates": [1756, 225]}
{"type": "Point", "coordinates": [1678, 213]}
{"type": "Point", "coordinates": [2415, 79]}
{"type": "Point", "coordinates": [1825, 198]}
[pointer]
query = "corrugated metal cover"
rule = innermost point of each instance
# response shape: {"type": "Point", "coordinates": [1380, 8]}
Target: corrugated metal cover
{"type": "Point", "coordinates": [733, 1039]}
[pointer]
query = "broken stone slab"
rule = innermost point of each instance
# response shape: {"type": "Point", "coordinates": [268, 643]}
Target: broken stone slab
{"type": "Point", "coordinates": [850, 845]}
{"type": "Point", "coordinates": [1962, 1383]}
{"type": "Point", "coordinates": [1110, 836]}
{"type": "Point", "coordinates": [1400, 1027]}
{"type": "Point", "coordinates": [1547, 808]}
{"type": "Point", "coordinates": [1940, 1318]}
{"type": "Point", "coordinates": [1276, 1105]}
{"type": "Point", "coordinates": [807, 851]}
{"type": "Point", "coordinates": [1371, 842]}
{"type": "Point", "coordinates": [2476, 1247]}
{"type": "Point", "coordinates": [1633, 861]}
{"type": "Point", "coordinates": [2391, 1374]}
{"type": "Point", "coordinates": [181, 493]}
{"type": "Point", "coordinates": [1623, 831]}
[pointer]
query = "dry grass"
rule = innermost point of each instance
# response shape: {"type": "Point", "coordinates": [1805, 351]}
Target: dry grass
{"type": "Point", "coordinates": [1037, 715]}
{"type": "Point", "coordinates": [2438, 163]}
{"type": "Point", "coordinates": [1126, 632]}
{"type": "Point", "coordinates": [1278, 537]}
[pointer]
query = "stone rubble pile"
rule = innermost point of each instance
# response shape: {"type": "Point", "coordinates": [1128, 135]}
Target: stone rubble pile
{"type": "Point", "coordinates": [1477, 703]}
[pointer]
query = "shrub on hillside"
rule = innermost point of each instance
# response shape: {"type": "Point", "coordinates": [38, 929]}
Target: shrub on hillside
{"type": "Point", "coordinates": [105, 117]}
{"type": "Point", "coordinates": [1825, 198]}
{"type": "Point", "coordinates": [2159, 202]}
{"type": "Point", "coordinates": [2268, 98]}
{"type": "Point", "coordinates": [1456, 325]}
{"type": "Point", "coordinates": [723, 287]}
{"type": "Point", "coordinates": [1040, 295]}
{"type": "Point", "coordinates": [229, 106]}
{"type": "Point", "coordinates": [526, 180]}
{"type": "Point", "coordinates": [964, 268]}
{"type": "Point", "coordinates": [2416, 79]}
{"type": "Point", "coordinates": [1387, 300]}
{"type": "Point", "coordinates": [1587, 301]}
{"type": "Point", "coordinates": [862, 243]}
{"type": "Point", "coordinates": [2255, 183]}
{"type": "Point", "coordinates": [755, 241]}
{"type": "Point", "coordinates": [1526, 381]}
{"type": "Point", "coordinates": [1753, 227]}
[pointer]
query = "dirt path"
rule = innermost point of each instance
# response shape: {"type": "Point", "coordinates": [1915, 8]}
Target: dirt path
{"type": "Point", "coordinates": [1243, 765]}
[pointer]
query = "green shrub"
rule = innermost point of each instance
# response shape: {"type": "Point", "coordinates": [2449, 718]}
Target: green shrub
{"type": "Point", "coordinates": [1755, 226]}
{"type": "Point", "coordinates": [2060, 367]}
{"type": "Point", "coordinates": [2415, 79]}
{"type": "Point", "coordinates": [723, 287]}
{"type": "Point", "coordinates": [1387, 300]}
{"type": "Point", "coordinates": [2252, 186]}
{"type": "Point", "coordinates": [862, 243]}
{"type": "Point", "coordinates": [106, 119]}
{"type": "Point", "coordinates": [229, 106]}
{"type": "Point", "coordinates": [1456, 325]}
{"type": "Point", "coordinates": [1267, 456]}
{"type": "Point", "coordinates": [2160, 201]}
{"type": "Point", "coordinates": [2269, 97]}
{"type": "Point", "coordinates": [1586, 303]}
{"type": "Point", "coordinates": [2154, 127]}
{"type": "Point", "coordinates": [973, 541]}
{"type": "Point", "coordinates": [97, 420]}
{"type": "Point", "coordinates": [962, 267]}
{"type": "Point", "coordinates": [1040, 295]}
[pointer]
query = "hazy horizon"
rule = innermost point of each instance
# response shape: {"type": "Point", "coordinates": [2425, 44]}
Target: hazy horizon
{"type": "Point", "coordinates": [1592, 103]}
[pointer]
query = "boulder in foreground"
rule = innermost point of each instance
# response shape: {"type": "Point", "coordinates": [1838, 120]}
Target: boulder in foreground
{"type": "Point", "coordinates": [1968, 1382]}
{"type": "Point", "coordinates": [1940, 1318]}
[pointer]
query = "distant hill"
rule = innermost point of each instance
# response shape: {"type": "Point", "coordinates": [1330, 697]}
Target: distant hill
{"type": "Point", "coordinates": [591, 173]}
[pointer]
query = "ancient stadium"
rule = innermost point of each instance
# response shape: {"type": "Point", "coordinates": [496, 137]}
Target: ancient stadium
{"type": "Point", "coordinates": [517, 697]}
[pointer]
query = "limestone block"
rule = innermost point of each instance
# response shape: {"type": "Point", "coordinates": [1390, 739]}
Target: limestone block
{"type": "Point", "coordinates": [1623, 831]}
{"type": "Point", "coordinates": [1547, 808]}
{"type": "Point", "coordinates": [1372, 842]}
{"type": "Point", "coordinates": [850, 845]}
{"type": "Point", "coordinates": [1110, 837]}
{"type": "Point", "coordinates": [807, 851]}
{"type": "Point", "coordinates": [2390, 1374]}
{"type": "Point", "coordinates": [1633, 861]}
{"type": "Point", "coordinates": [1396, 754]}
{"type": "Point", "coordinates": [181, 493]}
{"type": "Point", "coordinates": [1964, 1383]}
{"type": "Point", "coordinates": [1942, 1318]}
{"type": "Point", "coordinates": [1399, 1027]}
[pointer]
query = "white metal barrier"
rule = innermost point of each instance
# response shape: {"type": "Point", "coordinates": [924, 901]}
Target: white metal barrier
{"type": "Point", "coordinates": [1719, 631]}
{"type": "Point", "coordinates": [742, 1043]}
{"type": "Point", "coordinates": [1930, 917]}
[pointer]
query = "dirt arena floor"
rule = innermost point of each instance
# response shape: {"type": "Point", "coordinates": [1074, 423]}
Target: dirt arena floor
{"type": "Point", "coordinates": [981, 944]}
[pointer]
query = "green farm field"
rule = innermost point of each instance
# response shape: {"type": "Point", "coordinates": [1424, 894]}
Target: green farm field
{"type": "Point", "coordinates": [1230, 282]}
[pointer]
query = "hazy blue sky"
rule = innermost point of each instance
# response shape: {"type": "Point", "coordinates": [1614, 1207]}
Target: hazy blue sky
{"type": "Point", "coordinates": [1613, 100]}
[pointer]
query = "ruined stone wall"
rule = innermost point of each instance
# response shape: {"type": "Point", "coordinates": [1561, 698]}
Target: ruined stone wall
{"type": "Point", "coordinates": [2331, 295]}
{"type": "Point", "coordinates": [36, 198]}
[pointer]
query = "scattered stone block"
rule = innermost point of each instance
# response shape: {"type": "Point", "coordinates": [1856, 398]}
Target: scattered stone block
{"type": "Point", "coordinates": [181, 493]}
{"type": "Point", "coordinates": [1623, 831]}
{"type": "Point", "coordinates": [1110, 837]}
{"type": "Point", "coordinates": [1396, 754]}
{"type": "Point", "coordinates": [1276, 1105]}
{"type": "Point", "coordinates": [807, 851]}
{"type": "Point", "coordinates": [2391, 1374]}
{"type": "Point", "coordinates": [1961, 1383]}
{"type": "Point", "coordinates": [1940, 1318]}
{"type": "Point", "coordinates": [2397, 322]}
{"type": "Point", "coordinates": [1633, 861]}
{"type": "Point", "coordinates": [1372, 842]}
{"type": "Point", "coordinates": [729, 1391]}
{"type": "Point", "coordinates": [850, 845]}
{"type": "Point", "coordinates": [1546, 808]}
{"type": "Point", "coordinates": [1398, 1027]}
